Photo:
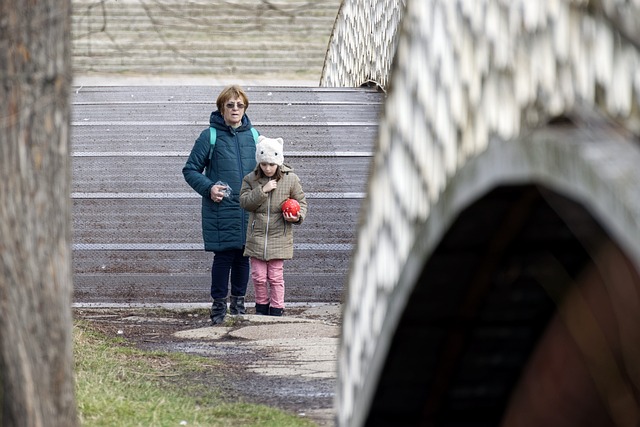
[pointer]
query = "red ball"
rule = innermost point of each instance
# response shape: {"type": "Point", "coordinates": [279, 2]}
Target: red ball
{"type": "Point", "coordinates": [291, 206]}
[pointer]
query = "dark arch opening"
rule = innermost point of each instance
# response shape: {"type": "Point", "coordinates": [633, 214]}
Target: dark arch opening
{"type": "Point", "coordinates": [492, 333]}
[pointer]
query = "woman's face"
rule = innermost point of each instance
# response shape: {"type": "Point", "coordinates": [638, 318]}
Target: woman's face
{"type": "Point", "coordinates": [269, 169]}
{"type": "Point", "coordinates": [233, 111]}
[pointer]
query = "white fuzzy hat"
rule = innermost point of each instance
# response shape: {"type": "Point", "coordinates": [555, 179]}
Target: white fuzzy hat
{"type": "Point", "coordinates": [269, 150]}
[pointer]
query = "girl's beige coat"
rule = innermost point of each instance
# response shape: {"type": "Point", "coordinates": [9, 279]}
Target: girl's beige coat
{"type": "Point", "coordinates": [269, 236]}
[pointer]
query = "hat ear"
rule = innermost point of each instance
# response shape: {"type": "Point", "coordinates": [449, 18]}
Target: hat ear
{"type": "Point", "coordinates": [280, 141]}
{"type": "Point", "coordinates": [261, 138]}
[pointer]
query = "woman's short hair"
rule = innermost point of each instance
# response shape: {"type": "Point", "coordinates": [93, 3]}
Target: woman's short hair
{"type": "Point", "coordinates": [231, 91]}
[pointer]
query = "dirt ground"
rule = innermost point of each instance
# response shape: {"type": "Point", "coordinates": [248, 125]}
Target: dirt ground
{"type": "Point", "coordinates": [286, 362]}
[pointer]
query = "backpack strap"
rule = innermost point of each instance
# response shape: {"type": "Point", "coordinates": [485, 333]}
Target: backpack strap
{"type": "Point", "coordinates": [213, 135]}
{"type": "Point", "coordinates": [255, 135]}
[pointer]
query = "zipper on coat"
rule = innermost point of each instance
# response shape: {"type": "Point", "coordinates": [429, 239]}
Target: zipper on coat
{"type": "Point", "coordinates": [266, 231]}
{"type": "Point", "coordinates": [239, 160]}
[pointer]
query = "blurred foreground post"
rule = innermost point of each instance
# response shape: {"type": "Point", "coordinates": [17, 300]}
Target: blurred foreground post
{"type": "Point", "coordinates": [36, 345]}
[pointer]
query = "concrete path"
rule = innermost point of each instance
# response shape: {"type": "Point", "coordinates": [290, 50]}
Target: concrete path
{"type": "Point", "coordinates": [303, 344]}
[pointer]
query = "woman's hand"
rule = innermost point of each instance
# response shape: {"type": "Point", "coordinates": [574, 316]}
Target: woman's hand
{"type": "Point", "coordinates": [217, 193]}
{"type": "Point", "coordinates": [289, 217]}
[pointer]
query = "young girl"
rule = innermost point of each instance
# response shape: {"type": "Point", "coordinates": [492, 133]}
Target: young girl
{"type": "Point", "coordinates": [270, 231]}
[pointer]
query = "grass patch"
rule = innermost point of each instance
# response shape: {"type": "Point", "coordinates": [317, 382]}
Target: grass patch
{"type": "Point", "coordinates": [117, 384]}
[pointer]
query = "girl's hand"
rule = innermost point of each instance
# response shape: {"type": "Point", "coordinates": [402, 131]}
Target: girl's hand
{"type": "Point", "coordinates": [270, 186]}
{"type": "Point", "coordinates": [290, 217]}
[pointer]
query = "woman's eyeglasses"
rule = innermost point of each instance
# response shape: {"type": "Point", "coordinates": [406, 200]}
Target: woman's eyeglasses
{"type": "Point", "coordinates": [238, 105]}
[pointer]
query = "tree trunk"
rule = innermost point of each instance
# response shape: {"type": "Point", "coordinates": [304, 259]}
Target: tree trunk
{"type": "Point", "coordinates": [36, 342]}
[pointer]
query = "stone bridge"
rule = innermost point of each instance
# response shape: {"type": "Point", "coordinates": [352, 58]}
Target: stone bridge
{"type": "Point", "coordinates": [495, 275]}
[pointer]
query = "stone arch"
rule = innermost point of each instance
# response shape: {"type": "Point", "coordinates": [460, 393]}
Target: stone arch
{"type": "Point", "coordinates": [471, 81]}
{"type": "Point", "coordinates": [510, 237]}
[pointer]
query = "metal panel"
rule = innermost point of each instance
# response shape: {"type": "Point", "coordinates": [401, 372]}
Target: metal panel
{"type": "Point", "coordinates": [137, 235]}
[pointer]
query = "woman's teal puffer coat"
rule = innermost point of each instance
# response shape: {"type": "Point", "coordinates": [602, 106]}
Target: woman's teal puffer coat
{"type": "Point", "coordinates": [224, 224]}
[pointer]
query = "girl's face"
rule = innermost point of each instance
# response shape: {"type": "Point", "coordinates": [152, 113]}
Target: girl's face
{"type": "Point", "coordinates": [233, 111]}
{"type": "Point", "coordinates": [269, 169]}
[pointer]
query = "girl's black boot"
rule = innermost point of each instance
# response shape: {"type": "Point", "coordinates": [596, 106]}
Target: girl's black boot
{"type": "Point", "coordinates": [275, 311]}
{"type": "Point", "coordinates": [262, 309]}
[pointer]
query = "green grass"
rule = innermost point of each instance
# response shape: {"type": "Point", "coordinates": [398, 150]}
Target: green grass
{"type": "Point", "coordinates": [118, 385]}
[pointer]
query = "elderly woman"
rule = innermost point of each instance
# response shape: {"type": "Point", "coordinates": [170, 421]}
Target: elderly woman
{"type": "Point", "coordinates": [226, 152]}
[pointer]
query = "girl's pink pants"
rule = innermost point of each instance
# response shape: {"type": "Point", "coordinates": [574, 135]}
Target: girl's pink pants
{"type": "Point", "coordinates": [268, 279]}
